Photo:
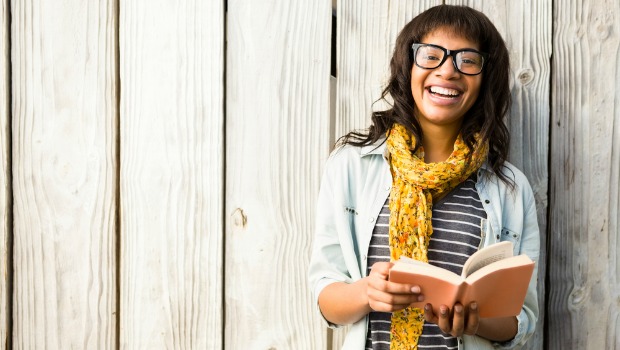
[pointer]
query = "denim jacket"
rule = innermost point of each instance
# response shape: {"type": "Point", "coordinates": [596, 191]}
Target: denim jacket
{"type": "Point", "coordinates": [357, 181]}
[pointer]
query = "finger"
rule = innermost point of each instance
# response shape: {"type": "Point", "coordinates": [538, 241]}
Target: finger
{"type": "Point", "coordinates": [444, 319]}
{"type": "Point", "coordinates": [399, 288]}
{"type": "Point", "coordinates": [395, 288]}
{"type": "Point", "coordinates": [381, 269]}
{"type": "Point", "coordinates": [473, 319]}
{"type": "Point", "coordinates": [429, 315]}
{"type": "Point", "coordinates": [458, 320]}
{"type": "Point", "coordinates": [391, 298]}
{"type": "Point", "coordinates": [385, 307]}
{"type": "Point", "coordinates": [380, 272]}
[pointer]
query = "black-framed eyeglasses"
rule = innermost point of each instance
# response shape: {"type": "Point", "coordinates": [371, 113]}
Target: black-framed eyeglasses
{"type": "Point", "coordinates": [466, 61]}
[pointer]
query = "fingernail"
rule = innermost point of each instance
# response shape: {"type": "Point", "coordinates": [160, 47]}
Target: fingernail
{"type": "Point", "coordinates": [443, 310]}
{"type": "Point", "coordinates": [473, 306]}
{"type": "Point", "coordinates": [415, 289]}
{"type": "Point", "coordinates": [458, 308]}
{"type": "Point", "coordinates": [427, 307]}
{"type": "Point", "coordinates": [420, 297]}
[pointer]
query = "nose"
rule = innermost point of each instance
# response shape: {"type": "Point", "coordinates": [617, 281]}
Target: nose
{"type": "Point", "coordinates": [447, 70]}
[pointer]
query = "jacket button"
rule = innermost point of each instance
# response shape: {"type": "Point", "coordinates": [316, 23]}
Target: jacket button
{"type": "Point", "coordinates": [487, 201]}
{"type": "Point", "coordinates": [371, 219]}
{"type": "Point", "coordinates": [388, 188]}
{"type": "Point", "coordinates": [497, 236]}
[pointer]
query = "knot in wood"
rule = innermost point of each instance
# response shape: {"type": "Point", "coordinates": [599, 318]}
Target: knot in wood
{"type": "Point", "coordinates": [577, 297]}
{"type": "Point", "coordinates": [526, 76]}
{"type": "Point", "coordinates": [602, 31]}
{"type": "Point", "coordinates": [239, 218]}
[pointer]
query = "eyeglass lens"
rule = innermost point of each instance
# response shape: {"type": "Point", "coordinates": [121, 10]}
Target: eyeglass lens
{"type": "Point", "coordinates": [468, 62]}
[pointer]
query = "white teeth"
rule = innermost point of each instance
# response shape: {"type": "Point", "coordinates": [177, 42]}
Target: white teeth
{"type": "Point", "coordinates": [444, 91]}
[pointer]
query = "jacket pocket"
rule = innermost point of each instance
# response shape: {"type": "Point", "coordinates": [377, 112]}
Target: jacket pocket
{"type": "Point", "coordinates": [514, 237]}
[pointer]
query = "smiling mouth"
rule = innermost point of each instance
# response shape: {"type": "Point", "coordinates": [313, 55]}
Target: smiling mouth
{"type": "Point", "coordinates": [443, 92]}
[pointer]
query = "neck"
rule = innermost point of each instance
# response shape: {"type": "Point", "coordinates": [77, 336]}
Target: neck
{"type": "Point", "coordinates": [438, 142]}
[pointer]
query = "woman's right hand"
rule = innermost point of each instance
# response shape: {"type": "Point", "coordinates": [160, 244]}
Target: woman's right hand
{"type": "Point", "coordinates": [345, 303]}
{"type": "Point", "coordinates": [386, 296]}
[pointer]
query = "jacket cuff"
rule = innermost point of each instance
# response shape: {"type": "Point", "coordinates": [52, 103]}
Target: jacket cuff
{"type": "Point", "coordinates": [520, 338]}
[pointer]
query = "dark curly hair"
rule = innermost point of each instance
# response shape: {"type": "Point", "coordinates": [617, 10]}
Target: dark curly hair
{"type": "Point", "coordinates": [485, 117]}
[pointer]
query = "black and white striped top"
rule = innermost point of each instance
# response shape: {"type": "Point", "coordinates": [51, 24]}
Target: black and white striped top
{"type": "Point", "coordinates": [456, 235]}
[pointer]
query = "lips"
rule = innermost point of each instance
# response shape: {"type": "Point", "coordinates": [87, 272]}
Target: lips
{"type": "Point", "coordinates": [443, 91]}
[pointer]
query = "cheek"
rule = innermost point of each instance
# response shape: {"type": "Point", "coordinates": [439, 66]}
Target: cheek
{"type": "Point", "coordinates": [417, 82]}
{"type": "Point", "coordinates": [476, 88]}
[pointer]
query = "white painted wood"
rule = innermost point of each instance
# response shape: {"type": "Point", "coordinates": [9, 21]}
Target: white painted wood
{"type": "Point", "coordinates": [526, 28]}
{"type": "Point", "coordinates": [64, 166]}
{"type": "Point", "coordinates": [5, 176]}
{"type": "Point", "coordinates": [367, 32]}
{"type": "Point", "coordinates": [277, 140]}
{"type": "Point", "coordinates": [584, 269]}
{"type": "Point", "coordinates": [171, 124]}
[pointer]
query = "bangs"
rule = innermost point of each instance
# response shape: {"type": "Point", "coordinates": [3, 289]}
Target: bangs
{"type": "Point", "coordinates": [458, 20]}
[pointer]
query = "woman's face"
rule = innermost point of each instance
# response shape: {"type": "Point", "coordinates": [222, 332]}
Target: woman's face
{"type": "Point", "coordinates": [443, 95]}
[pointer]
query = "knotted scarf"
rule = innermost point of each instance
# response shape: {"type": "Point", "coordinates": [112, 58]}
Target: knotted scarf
{"type": "Point", "coordinates": [414, 185]}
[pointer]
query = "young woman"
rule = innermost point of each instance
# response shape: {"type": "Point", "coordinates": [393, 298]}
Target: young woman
{"type": "Point", "coordinates": [429, 180]}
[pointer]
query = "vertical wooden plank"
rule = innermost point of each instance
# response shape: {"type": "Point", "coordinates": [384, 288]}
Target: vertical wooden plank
{"type": "Point", "coordinates": [277, 134]}
{"type": "Point", "coordinates": [584, 267]}
{"type": "Point", "coordinates": [64, 174]}
{"type": "Point", "coordinates": [171, 174]}
{"type": "Point", "coordinates": [5, 189]}
{"type": "Point", "coordinates": [526, 28]}
{"type": "Point", "coordinates": [367, 32]}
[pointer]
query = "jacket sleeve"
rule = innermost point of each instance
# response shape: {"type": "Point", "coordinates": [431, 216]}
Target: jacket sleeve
{"type": "Point", "coordinates": [327, 263]}
{"type": "Point", "coordinates": [530, 245]}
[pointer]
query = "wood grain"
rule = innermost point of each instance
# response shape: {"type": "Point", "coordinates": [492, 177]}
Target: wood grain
{"type": "Point", "coordinates": [5, 177]}
{"type": "Point", "coordinates": [367, 32]}
{"type": "Point", "coordinates": [526, 28]}
{"type": "Point", "coordinates": [64, 174]}
{"type": "Point", "coordinates": [277, 140]}
{"type": "Point", "coordinates": [171, 126]}
{"type": "Point", "coordinates": [584, 269]}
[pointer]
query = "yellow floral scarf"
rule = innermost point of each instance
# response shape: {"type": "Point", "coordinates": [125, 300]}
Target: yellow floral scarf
{"type": "Point", "coordinates": [413, 187]}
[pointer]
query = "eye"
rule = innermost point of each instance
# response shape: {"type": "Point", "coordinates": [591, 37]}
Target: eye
{"type": "Point", "coordinates": [470, 58]}
{"type": "Point", "coordinates": [430, 57]}
{"type": "Point", "coordinates": [430, 54]}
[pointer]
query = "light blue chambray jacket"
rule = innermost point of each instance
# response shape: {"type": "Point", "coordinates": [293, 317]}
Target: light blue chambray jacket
{"type": "Point", "coordinates": [355, 185]}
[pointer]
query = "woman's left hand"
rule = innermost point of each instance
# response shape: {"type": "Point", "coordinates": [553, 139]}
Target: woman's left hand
{"type": "Point", "coordinates": [455, 322]}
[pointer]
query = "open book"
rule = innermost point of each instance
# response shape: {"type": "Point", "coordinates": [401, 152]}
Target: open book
{"type": "Point", "coordinates": [492, 277]}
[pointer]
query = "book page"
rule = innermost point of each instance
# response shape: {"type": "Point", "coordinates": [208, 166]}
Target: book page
{"type": "Point", "coordinates": [486, 256]}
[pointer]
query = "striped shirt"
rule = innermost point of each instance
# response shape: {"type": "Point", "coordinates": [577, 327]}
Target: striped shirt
{"type": "Point", "coordinates": [456, 220]}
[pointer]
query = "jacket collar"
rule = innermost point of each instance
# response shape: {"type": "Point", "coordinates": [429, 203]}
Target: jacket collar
{"type": "Point", "coordinates": [378, 147]}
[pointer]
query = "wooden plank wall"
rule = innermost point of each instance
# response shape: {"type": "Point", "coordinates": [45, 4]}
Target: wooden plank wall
{"type": "Point", "coordinates": [584, 268]}
{"type": "Point", "coordinates": [171, 184]}
{"type": "Point", "coordinates": [161, 161]}
{"type": "Point", "coordinates": [526, 28]}
{"type": "Point", "coordinates": [277, 139]}
{"type": "Point", "coordinates": [5, 176]}
{"type": "Point", "coordinates": [367, 32]}
{"type": "Point", "coordinates": [64, 170]}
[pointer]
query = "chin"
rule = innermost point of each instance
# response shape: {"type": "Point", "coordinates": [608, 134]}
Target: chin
{"type": "Point", "coordinates": [443, 119]}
